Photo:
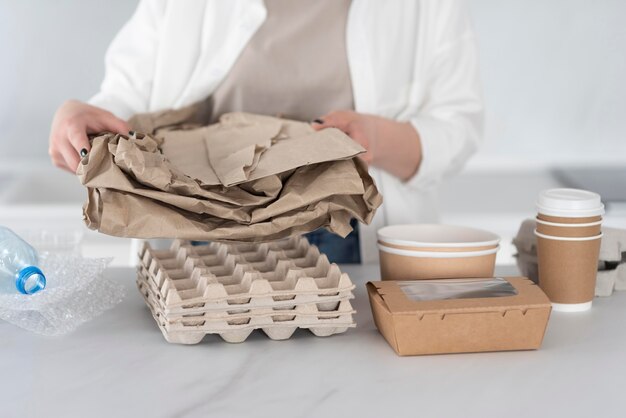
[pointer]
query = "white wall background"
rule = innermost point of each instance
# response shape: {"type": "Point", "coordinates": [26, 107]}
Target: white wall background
{"type": "Point", "coordinates": [553, 74]}
{"type": "Point", "coordinates": [50, 51]}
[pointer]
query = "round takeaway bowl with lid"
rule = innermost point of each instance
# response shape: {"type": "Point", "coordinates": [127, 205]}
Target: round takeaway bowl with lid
{"type": "Point", "coordinates": [433, 251]}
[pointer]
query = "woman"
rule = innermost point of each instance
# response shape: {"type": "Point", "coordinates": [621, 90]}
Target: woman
{"type": "Point", "coordinates": [399, 77]}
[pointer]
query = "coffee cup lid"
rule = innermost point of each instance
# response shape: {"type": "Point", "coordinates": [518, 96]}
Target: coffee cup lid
{"type": "Point", "coordinates": [573, 203]}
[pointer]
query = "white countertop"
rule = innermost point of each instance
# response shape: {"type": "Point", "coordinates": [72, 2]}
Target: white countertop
{"type": "Point", "coordinates": [120, 365]}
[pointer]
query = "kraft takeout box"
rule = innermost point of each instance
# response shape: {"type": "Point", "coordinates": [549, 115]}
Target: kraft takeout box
{"type": "Point", "coordinates": [246, 178]}
{"type": "Point", "coordinates": [460, 325]}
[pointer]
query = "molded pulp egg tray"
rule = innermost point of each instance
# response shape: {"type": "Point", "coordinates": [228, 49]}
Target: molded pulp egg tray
{"type": "Point", "coordinates": [233, 289]}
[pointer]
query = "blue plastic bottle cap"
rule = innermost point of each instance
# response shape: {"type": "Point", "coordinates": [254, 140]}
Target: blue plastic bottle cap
{"type": "Point", "coordinates": [30, 280]}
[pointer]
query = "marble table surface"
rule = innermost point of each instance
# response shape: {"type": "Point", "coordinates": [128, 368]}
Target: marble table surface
{"type": "Point", "coordinates": [119, 365]}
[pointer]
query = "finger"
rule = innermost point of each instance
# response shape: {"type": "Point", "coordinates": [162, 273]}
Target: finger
{"type": "Point", "coordinates": [360, 138]}
{"type": "Point", "coordinates": [54, 154]}
{"type": "Point", "coordinates": [114, 124]}
{"type": "Point", "coordinates": [318, 124]}
{"type": "Point", "coordinates": [70, 156]}
{"type": "Point", "coordinates": [339, 119]}
{"type": "Point", "coordinates": [58, 160]}
{"type": "Point", "coordinates": [78, 139]}
{"type": "Point", "coordinates": [366, 157]}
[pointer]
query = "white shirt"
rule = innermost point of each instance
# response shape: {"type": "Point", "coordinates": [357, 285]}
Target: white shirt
{"type": "Point", "coordinates": [410, 60]}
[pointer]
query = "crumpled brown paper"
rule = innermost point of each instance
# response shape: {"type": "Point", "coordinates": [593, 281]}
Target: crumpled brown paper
{"type": "Point", "coordinates": [246, 178]}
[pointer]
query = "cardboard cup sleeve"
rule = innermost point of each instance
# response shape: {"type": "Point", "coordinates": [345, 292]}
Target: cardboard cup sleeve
{"type": "Point", "coordinates": [568, 267]}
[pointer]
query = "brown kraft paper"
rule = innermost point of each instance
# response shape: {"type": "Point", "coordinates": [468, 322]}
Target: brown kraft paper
{"type": "Point", "coordinates": [247, 178]}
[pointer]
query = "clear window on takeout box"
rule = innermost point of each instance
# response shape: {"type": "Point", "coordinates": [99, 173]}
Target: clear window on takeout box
{"type": "Point", "coordinates": [441, 289]}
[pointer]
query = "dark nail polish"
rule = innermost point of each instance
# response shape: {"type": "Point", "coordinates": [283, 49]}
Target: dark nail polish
{"type": "Point", "coordinates": [320, 121]}
{"type": "Point", "coordinates": [131, 133]}
{"type": "Point", "coordinates": [83, 152]}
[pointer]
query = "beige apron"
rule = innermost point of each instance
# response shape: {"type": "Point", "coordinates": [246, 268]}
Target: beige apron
{"type": "Point", "coordinates": [295, 66]}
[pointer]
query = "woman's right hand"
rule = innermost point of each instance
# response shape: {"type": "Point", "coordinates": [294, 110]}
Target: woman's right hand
{"type": "Point", "coordinates": [70, 126]}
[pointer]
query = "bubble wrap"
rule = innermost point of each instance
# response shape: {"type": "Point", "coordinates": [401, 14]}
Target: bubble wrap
{"type": "Point", "coordinates": [76, 292]}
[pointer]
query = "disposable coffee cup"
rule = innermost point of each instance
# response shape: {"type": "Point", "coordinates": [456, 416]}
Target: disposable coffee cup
{"type": "Point", "coordinates": [569, 231]}
{"type": "Point", "coordinates": [567, 270]}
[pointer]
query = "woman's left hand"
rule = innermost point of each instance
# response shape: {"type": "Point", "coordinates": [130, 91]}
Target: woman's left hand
{"type": "Point", "coordinates": [361, 128]}
{"type": "Point", "coordinates": [391, 145]}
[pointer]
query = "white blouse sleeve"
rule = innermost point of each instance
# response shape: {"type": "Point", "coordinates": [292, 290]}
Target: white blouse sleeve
{"type": "Point", "coordinates": [450, 120]}
{"type": "Point", "coordinates": [130, 62]}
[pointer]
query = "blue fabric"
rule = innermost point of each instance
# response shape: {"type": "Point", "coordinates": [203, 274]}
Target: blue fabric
{"type": "Point", "coordinates": [338, 250]}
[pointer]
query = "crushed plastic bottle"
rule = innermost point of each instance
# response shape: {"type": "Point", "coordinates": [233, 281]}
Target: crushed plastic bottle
{"type": "Point", "coordinates": [19, 271]}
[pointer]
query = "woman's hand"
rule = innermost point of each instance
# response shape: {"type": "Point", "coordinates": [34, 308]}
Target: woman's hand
{"type": "Point", "coordinates": [70, 126]}
{"type": "Point", "coordinates": [391, 145]}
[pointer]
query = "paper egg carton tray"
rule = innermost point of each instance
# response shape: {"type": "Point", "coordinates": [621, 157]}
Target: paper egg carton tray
{"type": "Point", "coordinates": [259, 296]}
{"type": "Point", "coordinates": [275, 324]}
{"type": "Point", "coordinates": [232, 289]}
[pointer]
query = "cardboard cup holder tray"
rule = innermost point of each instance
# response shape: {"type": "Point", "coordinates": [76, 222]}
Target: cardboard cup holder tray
{"type": "Point", "coordinates": [233, 289]}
